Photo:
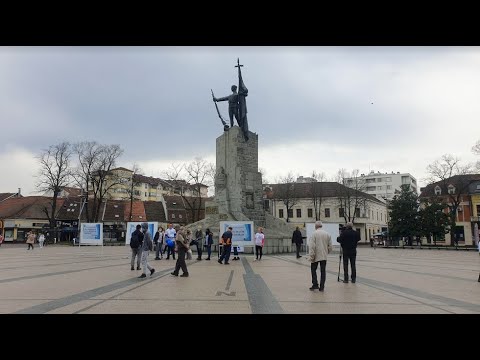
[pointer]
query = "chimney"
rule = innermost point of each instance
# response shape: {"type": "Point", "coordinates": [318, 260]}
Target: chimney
{"type": "Point", "coordinates": [19, 192]}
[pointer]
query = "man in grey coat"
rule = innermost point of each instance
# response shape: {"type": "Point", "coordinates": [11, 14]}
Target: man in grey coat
{"type": "Point", "coordinates": [319, 245]}
{"type": "Point", "coordinates": [146, 248]}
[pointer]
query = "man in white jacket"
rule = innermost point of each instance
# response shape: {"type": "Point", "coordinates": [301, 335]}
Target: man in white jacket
{"type": "Point", "coordinates": [319, 245]}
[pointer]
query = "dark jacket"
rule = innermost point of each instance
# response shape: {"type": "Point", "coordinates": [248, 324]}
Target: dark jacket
{"type": "Point", "coordinates": [349, 240]}
{"type": "Point", "coordinates": [227, 238]}
{"type": "Point", "coordinates": [140, 235]}
{"type": "Point", "coordinates": [297, 237]}
{"type": "Point", "coordinates": [209, 239]}
{"type": "Point", "coordinates": [156, 237]}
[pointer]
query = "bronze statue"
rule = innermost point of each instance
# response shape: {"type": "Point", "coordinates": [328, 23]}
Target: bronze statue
{"type": "Point", "coordinates": [237, 104]}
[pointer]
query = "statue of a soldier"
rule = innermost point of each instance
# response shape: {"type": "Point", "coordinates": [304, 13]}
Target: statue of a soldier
{"type": "Point", "coordinates": [237, 104]}
{"type": "Point", "coordinates": [232, 104]}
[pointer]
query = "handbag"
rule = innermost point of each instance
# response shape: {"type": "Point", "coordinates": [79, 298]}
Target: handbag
{"type": "Point", "coordinates": [189, 254]}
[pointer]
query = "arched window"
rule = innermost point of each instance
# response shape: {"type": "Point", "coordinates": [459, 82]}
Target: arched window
{"type": "Point", "coordinates": [451, 189]}
{"type": "Point", "coordinates": [438, 191]}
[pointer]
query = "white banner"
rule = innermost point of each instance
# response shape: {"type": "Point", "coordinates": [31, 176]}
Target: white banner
{"type": "Point", "coordinates": [91, 234]}
{"type": "Point", "coordinates": [331, 228]}
{"type": "Point", "coordinates": [242, 232]}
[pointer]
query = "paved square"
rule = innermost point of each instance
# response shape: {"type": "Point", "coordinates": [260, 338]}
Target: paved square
{"type": "Point", "coordinates": [63, 279]}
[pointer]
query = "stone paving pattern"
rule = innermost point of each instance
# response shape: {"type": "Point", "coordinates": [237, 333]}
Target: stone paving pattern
{"type": "Point", "coordinates": [83, 280]}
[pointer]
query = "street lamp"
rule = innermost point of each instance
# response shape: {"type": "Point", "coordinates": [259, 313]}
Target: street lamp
{"type": "Point", "coordinates": [386, 216]}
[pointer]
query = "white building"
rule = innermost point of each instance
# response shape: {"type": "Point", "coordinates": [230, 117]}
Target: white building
{"type": "Point", "coordinates": [382, 185]}
{"type": "Point", "coordinates": [369, 214]}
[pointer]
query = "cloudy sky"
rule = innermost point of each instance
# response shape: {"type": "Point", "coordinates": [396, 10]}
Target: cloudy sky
{"type": "Point", "coordinates": [314, 108]}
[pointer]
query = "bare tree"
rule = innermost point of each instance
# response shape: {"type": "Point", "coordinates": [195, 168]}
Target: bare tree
{"type": "Point", "coordinates": [476, 151]}
{"type": "Point", "coordinates": [350, 195]}
{"type": "Point", "coordinates": [316, 192]}
{"type": "Point", "coordinates": [96, 162]}
{"type": "Point", "coordinates": [197, 175]}
{"type": "Point", "coordinates": [54, 174]}
{"type": "Point", "coordinates": [449, 171]}
{"type": "Point", "coordinates": [211, 172]}
{"type": "Point", "coordinates": [187, 180]}
{"type": "Point", "coordinates": [287, 190]}
{"type": "Point", "coordinates": [130, 188]}
{"type": "Point", "coordinates": [88, 155]}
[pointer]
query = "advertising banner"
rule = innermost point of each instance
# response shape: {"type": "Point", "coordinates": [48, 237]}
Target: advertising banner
{"type": "Point", "coordinates": [243, 232]}
{"type": "Point", "coordinates": [131, 226]}
{"type": "Point", "coordinates": [91, 234]}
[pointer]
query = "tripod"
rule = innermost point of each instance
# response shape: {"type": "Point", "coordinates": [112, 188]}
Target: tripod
{"type": "Point", "coordinates": [339, 262]}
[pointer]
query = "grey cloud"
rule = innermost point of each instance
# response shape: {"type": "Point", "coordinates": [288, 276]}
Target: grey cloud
{"type": "Point", "coordinates": [156, 102]}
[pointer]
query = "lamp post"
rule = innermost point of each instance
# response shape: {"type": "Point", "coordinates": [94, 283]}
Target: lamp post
{"type": "Point", "coordinates": [386, 215]}
{"type": "Point", "coordinates": [83, 202]}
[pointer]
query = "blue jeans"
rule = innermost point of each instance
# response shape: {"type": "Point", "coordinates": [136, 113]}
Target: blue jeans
{"type": "Point", "coordinates": [209, 250]}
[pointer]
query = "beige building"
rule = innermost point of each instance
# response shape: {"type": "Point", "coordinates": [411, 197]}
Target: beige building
{"type": "Point", "coordinates": [147, 188]}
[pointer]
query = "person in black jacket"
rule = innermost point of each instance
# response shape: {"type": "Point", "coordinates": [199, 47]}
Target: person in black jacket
{"type": "Point", "coordinates": [136, 243]}
{"type": "Point", "coordinates": [349, 239]}
{"type": "Point", "coordinates": [297, 240]}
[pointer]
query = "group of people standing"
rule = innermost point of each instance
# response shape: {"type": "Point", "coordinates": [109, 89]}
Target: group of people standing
{"type": "Point", "coordinates": [174, 240]}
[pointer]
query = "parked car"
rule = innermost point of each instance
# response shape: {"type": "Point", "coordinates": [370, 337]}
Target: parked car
{"type": "Point", "coordinates": [380, 237]}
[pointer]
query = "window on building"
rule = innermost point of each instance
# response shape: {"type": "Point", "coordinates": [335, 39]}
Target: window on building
{"type": "Point", "coordinates": [146, 186]}
{"type": "Point", "coordinates": [310, 213]}
{"type": "Point", "coordinates": [299, 213]}
{"type": "Point", "coordinates": [388, 179]}
{"type": "Point", "coordinates": [136, 192]}
{"type": "Point", "coordinates": [438, 191]}
{"type": "Point", "coordinates": [478, 210]}
{"type": "Point", "coordinates": [371, 188]}
{"type": "Point", "coordinates": [266, 204]}
{"type": "Point", "coordinates": [327, 212]}
{"type": "Point", "coordinates": [379, 187]}
{"type": "Point", "coordinates": [280, 213]}
{"type": "Point", "coordinates": [451, 189]}
{"type": "Point", "coordinates": [341, 212]}
{"type": "Point", "coordinates": [173, 216]}
{"type": "Point", "coordinates": [389, 187]}
{"type": "Point", "coordinates": [381, 216]}
{"type": "Point", "coordinates": [379, 179]}
{"type": "Point", "coordinates": [357, 212]}
{"type": "Point", "coordinates": [290, 213]}
{"type": "Point", "coordinates": [145, 194]}
{"type": "Point", "coordinates": [180, 216]}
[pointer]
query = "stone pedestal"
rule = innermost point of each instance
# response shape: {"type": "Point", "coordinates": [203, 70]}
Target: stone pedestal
{"type": "Point", "coordinates": [238, 185]}
{"type": "Point", "coordinates": [239, 194]}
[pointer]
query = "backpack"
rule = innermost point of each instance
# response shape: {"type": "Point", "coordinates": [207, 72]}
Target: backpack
{"type": "Point", "coordinates": [135, 241]}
